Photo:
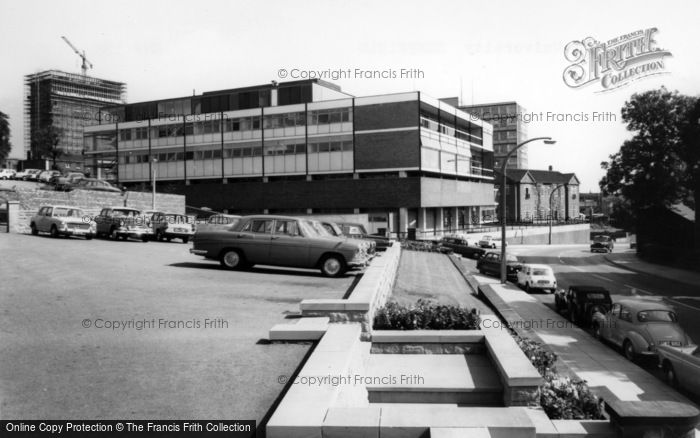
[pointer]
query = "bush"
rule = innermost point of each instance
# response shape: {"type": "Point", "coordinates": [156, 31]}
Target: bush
{"type": "Point", "coordinates": [424, 246]}
{"type": "Point", "coordinates": [426, 315]}
{"type": "Point", "coordinates": [567, 399]}
{"type": "Point", "coordinates": [541, 358]}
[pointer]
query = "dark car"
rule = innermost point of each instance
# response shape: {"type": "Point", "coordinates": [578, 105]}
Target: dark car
{"type": "Point", "coordinates": [123, 223]}
{"type": "Point", "coordinates": [490, 263]}
{"type": "Point", "coordinates": [279, 241]}
{"type": "Point", "coordinates": [167, 226]}
{"type": "Point", "coordinates": [358, 231]}
{"type": "Point", "coordinates": [602, 244]}
{"type": "Point", "coordinates": [461, 246]}
{"type": "Point", "coordinates": [95, 184]}
{"type": "Point", "coordinates": [580, 303]}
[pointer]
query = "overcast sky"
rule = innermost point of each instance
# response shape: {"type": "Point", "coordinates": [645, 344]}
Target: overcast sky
{"type": "Point", "coordinates": [483, 51]}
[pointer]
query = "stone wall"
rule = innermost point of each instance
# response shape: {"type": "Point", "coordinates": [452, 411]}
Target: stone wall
{"type": "Point", "coordinates": [28, 201]}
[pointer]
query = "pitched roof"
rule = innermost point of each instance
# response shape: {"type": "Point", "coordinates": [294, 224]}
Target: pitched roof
{"type": "Point", "coordinates": [551, 176]}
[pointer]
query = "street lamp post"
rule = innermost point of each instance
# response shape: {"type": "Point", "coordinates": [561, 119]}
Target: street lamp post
{"type": "Point", "coordinates": [550, 210]}
{"type": "Point", "coordinates": [153, 197]}
{"type": "Point", "coordinates": [547, 140]}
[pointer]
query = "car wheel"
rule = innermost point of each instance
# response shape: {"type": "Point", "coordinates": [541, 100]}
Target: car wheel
{"type": "Point", "coordinates": [54, 231]}
{"type": "Point", "coordinates": [527, 288]}
{"type": "Point", "coordinates": [597, 333]}
{"type": "Point", "coordinates": [185, 239]}
{"type": "Point", "coordinates": [113, 234]}
{"type": "Point", "coordinates": [628, 350]}
{"type": "Point", "coordinates": [232, 259]}
{"type": "Point", "coordinates": [34, 230]}
{"type": "Point", "coordinates": [670, 375]}
{"type": "Point", "coordinates": [572, 316]}
{"type": "Point", "coordinates": [88, 237]}
{"type": "Point", "coordinates": [159, 236]}
{"type": "Point", "coordinates": [332, 266]}
{"type": "Point", "coordinates": [144, 238]}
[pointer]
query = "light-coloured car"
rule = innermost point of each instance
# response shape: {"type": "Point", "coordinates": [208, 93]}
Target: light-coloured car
{"type": "Point", "coordinates": [681, 367]}
{"type": "Point", "coordinates": [46, 175]}
{"type": "Point", "coordinates": [532, 277]}
{"type": "Point", "coordinates": [167, 226]}
{"type": "Point", "coordinates": [489, 241]}
{"type": "Point", "coordinates": [7, 174]}
{"type": "Point", "coordinates": [123, 223]}
{"type": "Point", "coordinates": [29, 174]}
{"type": "Point", "coordinates": [639, 327]}
{"type": "Point", "coordinates": [278, 241]}
{"type": "Point", "coordinates": [62, 220]}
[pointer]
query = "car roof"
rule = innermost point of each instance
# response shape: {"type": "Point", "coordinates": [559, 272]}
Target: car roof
{"type": "Point", "coordinates": [119, 207]}
{"type": "Point", "coordinates": [62, 206]}
{"type": "Point", "coordinates": [537, 266]}
{"type": "Point", "coordinates": [642, 304]}
{"type": "Point", "coordinates": [273, 216]}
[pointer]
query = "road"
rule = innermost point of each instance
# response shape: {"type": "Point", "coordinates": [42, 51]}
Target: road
{"type": "Point", "coordinates": [59, 359]}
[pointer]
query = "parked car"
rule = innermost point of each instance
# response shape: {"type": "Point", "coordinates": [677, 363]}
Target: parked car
{"type": "Point", "coordinates": [602, 244]}
{"type": "Point", "coordinates": [278, 241]}
{"type": "Point", "coordinates": [681, 366]}
{"type": "Point", "coordinates": [490, 263]}
{"type": "Point", "coordinates": [123, 223]}
{"type": "Point", "coordinates": [64, 182]}
{"type": "Point", "coordinates": [29, 175]}
{"type": "Point", "coordinates": [94, 184]}
{"type": "Point", "coordinates": [332, 229]}
{"type": "Point", "coordinates": [358, 231]}
{"type": "Point", "coordinates": [533, 277]}
{"type": "Point", "coordinates": [218, 222]}
{"type": "Point", "coordinates": [167, 226]}
{"type": "Point", "coordinates": [46, 176]}
{"type": "Point", "coordinates": [640, 326]}
{"type": "Point", "coordinates": [461, 246]}
{"type": "Point", "coordinates": [7, 174]}
{"type": "Point", "coordinates": [490, 242]}
{"type": "Point", "coordinates": [62, 220]}
{"type": "Point", "coordinates": [581, 302]}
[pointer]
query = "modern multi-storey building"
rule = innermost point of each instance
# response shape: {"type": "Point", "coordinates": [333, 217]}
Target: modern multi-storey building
{"type": "Point", "coordinates": [306, 147]}
{"type": "Point", "coordinates": [509, 129]}
{"type": "Point", "coordinates": [67, 101]}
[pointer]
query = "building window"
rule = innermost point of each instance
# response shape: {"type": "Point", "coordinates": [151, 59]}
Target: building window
{"type": "Point", "coordinates": [527, 193]}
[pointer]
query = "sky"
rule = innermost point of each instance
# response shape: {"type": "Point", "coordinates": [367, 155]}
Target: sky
{"type": "Point", "coordinates": [479, 51]}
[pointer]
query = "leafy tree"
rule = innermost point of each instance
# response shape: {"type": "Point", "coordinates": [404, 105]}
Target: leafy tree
{"type": "Point", "coordinates": [5, 145]}
{"type": "Point", "coordinates": [46, 141]}
{"type": "Point", "coordinates": [652, 168]}
{"type": "Point", "coordinates": [690, 153]}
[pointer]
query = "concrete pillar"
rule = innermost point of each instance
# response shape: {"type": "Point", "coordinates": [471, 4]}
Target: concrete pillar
{"type": "Point", "coordinates": [422, 219]}
{"type": "Point", "coordinates": [355, 211]}
{"type": "Point", "coordinates": [13, 222]}
{"type": "Point", "coordinates": [440, 225]}
{"type": "Point", "coordinates": [309, 178]}
{"type": "Point", "coordinates": [403, 221]}
{"type": "Point", "coordinates": [455, 218]}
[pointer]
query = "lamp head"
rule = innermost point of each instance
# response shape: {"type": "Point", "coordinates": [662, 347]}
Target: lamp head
{"type": "Point", "coordinates": [550, 141]}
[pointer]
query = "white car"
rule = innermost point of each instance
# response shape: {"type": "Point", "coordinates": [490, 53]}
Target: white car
{"type": "Point", "coordinates": [533, 277]}
{"type": "Point", "coordinates": [7, 174]}
{"type": "Point", "coordinates": [62, 220]}
{"type": "Point", "coordinates": [490, 242]}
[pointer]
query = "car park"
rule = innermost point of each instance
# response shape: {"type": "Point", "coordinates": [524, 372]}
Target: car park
{"type": "Point", "coordinates": [489, 241]}
{"type": "Point", "coordinates": [167, 226]}
{"type": "Point", "coordinates": [681, 367]}
{"type": "Point", "coordinates": [122, 223]}
{"type": "Point", "coordinates": [602, 244]}
{"type": "Point", "coordinates": [537, 277]}
{"type": "Point", "coordinates": [278, 241]}
{"type": "Point", "coordinates": [581, 302]}
{"type": "Point", "coordinates": [490, 263]}
{"type": "Point", "coordinates": [460, 245]}
{"type": "Point", "coordinates": [7, 174]}
{"type": "Point", "coordinates": [62, 220]}
{"type": "Point", "coordinates": [358, 231]}
{"type": "Point", "coordinates": [94, 184]}
{"type": "Point", "coordinates": [639, 327]}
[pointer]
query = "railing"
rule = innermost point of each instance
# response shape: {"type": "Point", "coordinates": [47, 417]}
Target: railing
{"type": "Point", "coordinates": [493, 227]}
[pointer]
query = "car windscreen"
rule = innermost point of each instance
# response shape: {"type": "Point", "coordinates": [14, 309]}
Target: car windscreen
{"type": "Point", "coordinates": [123, 213]}
{"type": "Point", "coordinates": [541, 271]}
{"type": "Point", "coordinates": [67, 212]}
{"type": "Point", "coordinates": [318, 229]}
{"type": "Point", "coordinates": [656, 316]}
{"type": "Point", "coordinates": [307, 229]}
{"type": "Point", "coordinates": [601, 239]}
{"type": "Point", "coordinates": [511, 258]}
{"type": "Point", "coordinates": [596, 296]}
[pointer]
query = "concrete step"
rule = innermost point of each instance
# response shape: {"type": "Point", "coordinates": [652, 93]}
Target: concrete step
{"type": "Point", "coordinates": [302, 329]}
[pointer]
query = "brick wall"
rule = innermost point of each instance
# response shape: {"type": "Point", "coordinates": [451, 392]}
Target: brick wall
{"type": "Point", "coordinates": [29, 202]}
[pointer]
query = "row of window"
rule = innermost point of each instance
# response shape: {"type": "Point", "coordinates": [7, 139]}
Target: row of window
{"type": "Point", "coordinates": [250, 151]}
{"type": "Point", "coordinates": [287, 120]}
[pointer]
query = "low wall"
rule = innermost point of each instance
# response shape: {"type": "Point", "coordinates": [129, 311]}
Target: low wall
{"type": "Point", "coordinates": [24, 203]}
{"type": "Point", "coordinates": [370, 294]}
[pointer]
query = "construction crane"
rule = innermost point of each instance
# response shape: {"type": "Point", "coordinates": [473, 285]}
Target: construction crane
{"type": "Point", "coordinates": [86, 64]}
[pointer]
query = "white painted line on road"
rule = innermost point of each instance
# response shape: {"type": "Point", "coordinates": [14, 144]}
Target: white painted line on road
{"type": "Point", "coordinates": [666, 298]}
{"type": "Point", "coordinates": [602, 278]}
{"type": "Point", "coordinates": [646, 292]}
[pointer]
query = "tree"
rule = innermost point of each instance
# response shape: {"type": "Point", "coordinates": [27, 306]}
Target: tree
{"type": "Point", "coordinates": [651, 169]}
{"type": "Point", "coordinates": [45, 141]}
{"type": "Point", "coordinates": [690, 153]}
{"type": "Point", "coordinates": [5, 145]}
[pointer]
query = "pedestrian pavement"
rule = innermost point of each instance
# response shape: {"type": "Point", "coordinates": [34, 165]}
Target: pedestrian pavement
{"type": "Point", "coordinates": [632, 262]}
